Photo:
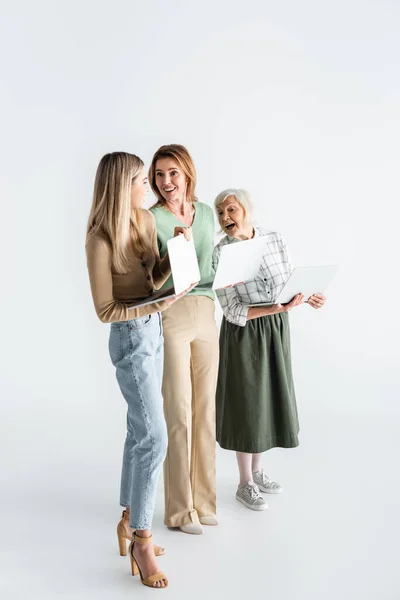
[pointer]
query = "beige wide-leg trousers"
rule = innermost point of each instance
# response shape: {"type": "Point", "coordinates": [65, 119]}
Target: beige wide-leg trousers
{"type": "Point", "coordinates": [191, 353]}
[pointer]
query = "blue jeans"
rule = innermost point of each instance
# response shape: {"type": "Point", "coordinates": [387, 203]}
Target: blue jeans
{"type": "Point", "coordinates": [137, 352]}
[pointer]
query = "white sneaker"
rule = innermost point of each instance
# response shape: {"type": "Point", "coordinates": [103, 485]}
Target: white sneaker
{"type": "Point", "coordinates": [249, 495]}
{"type": "Point", "coordinates": [265, 484]}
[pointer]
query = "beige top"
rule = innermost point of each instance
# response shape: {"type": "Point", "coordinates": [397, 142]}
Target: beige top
{"type": "Point", "coordinates": [113, 292]}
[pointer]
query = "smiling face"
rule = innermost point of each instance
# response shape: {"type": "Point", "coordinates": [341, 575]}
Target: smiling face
{"type": "Point", "coordinates": [170, 179]}
{"type": "Point", "coordinates": [232, 218]}
{"type": "Point", "coordinates": [139, 189]}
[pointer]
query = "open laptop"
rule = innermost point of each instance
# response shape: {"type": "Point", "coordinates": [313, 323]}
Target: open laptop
{"type": "Point", "coordinates": [239, 261]}
{"type": "Point", "coordinates": [305, 280]}
{"type": "Point", "coordinates": [184, 269]}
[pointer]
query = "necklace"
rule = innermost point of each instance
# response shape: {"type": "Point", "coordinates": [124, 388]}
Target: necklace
{"type": "Point", "coordinates": [186, 216]}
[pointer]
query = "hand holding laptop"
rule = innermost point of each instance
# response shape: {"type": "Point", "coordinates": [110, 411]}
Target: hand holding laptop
{"type": "Point", "coordinates": [186, 231]}
{"type": "Point", "coordinates": [316, 300]}
{"type": "Point", "coordinates": [184, 269]}
{"type": "Point", "coordinates": [298, 299]}
{"type": "Point", "coordinates": [173, 299]}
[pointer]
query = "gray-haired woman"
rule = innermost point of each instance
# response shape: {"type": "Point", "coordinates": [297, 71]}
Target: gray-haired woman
{"type": "Point", "coordinates": [256, 403]}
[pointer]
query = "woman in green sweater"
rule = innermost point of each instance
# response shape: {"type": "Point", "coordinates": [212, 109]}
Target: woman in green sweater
{"type": "Point", "coordinates": [190, 349]}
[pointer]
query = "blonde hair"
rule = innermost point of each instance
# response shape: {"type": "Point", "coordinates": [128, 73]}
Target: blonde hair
{"type": "Point", "coordinates": [242, 196]}
{"type": "Point", "coordinates": [181, 155]}
{"type": "Point", "coordinates": [111, 211]}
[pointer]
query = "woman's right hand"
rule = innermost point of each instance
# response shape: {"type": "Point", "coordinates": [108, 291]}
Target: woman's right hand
{"type": "Point", "coordinates": [272, 309]}
{"type": "Point", "coordinates": [170, 301]}
{"type": "Point", "coordinates": [186, 231]}
{"type": "Point", "coordinates": [298, 299]}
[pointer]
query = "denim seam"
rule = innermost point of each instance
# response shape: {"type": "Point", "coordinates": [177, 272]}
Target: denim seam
{"type": "Point", "coordinates": [132, 363]}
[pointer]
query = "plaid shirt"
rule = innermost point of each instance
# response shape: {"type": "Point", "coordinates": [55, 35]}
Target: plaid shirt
{"type": "Point", "coordinates": [273, 274]}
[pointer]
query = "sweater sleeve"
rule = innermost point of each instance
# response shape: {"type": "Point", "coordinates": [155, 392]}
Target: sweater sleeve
{"type": "Point", "coordinates": [99, 253]}
{"type": "Point", "coordinates": [162, 267]}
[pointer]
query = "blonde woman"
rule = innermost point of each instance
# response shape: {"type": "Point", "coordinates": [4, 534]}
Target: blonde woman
{"type": "Point", "coordinates": [256, 403]}
{"type": "Point", "coordinates": [124, 265]}
{"type": "Point", "coordinates": [191, 350]}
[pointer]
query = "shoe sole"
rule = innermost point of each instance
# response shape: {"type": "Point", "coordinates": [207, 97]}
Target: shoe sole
{"type": "Point", "coordinates": [267, 491]}
{"type": "Point", "coordinates": [256, 508]}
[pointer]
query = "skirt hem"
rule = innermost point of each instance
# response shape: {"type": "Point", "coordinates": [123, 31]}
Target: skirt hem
{"type": "Point", "coordinates": [291, 441]}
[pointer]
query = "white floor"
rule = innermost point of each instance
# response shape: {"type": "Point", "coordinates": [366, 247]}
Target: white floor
{"type": "Point", "coordinates": [333, 533]}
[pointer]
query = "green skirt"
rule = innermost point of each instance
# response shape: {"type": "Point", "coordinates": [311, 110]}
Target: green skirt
{"type": "Point", "coordinates": [256, 402]}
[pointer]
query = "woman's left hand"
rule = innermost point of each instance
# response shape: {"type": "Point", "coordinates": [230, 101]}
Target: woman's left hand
{"type": "Point", "coordinates": [316, 300]}
{"type": "Point", "coordinates": [186, 231]}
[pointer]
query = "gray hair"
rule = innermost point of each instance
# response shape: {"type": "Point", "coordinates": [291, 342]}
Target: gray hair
{"type": "Point", "coordinates": [242, 196]}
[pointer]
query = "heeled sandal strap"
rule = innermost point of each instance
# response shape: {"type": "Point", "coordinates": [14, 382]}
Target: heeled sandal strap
{"type": "Point", "coordinates": [150, 581]}
{"type": "Point", "coordinates": [142, 540]}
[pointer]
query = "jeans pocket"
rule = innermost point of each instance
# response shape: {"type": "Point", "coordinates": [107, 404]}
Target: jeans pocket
{"type": "Point", "coordinates": [139, 322]}
{"type": "Point", "coordinates": [115, 345]}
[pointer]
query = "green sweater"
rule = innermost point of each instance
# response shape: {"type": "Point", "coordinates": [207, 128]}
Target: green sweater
{"type": "Point", "coordinates": [203, 235]}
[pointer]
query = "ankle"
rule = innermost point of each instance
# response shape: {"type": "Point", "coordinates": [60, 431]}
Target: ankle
{"type": "Point", "coordinates": [143, 533]}
{"type": "Point", "coordinates": [144, 549]}
{"type": "Point", "coordinates": [245, 482]}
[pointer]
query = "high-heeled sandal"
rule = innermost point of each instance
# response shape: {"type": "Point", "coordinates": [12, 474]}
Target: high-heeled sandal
{"type": "Point", "coordinates": [123, 536]}
{"type": "Point", "coordinates": [152, 579]}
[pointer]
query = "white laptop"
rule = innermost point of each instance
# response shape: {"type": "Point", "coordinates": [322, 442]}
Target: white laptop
{"type": "Point", "coordinates": [184, 268]}
{"type": "Point", "coordinates": [307, 281]}
{"type": "Point", "coordinates": [239, 261]}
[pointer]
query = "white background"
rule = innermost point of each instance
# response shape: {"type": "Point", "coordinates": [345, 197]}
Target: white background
{"type": "Point", "coordinates": [299, 103]}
